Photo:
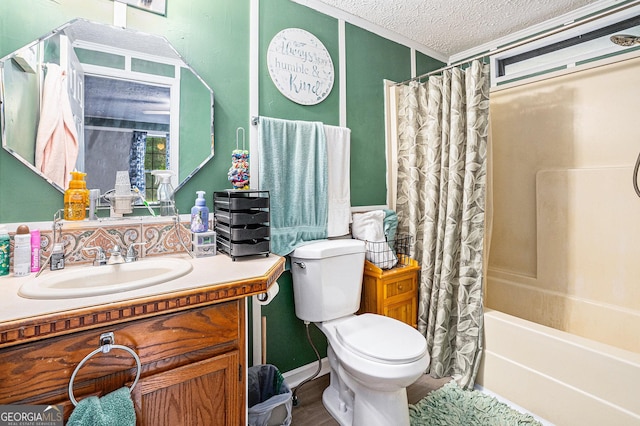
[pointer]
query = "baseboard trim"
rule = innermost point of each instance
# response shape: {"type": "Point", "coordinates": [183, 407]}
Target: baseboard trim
{"type": "Point", "coordinates": [297, 376]}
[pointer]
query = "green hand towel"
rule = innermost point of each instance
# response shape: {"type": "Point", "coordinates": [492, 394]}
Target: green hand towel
{"type": "Point", "coordinates": [293, 168]}
{"type": "Point", "coordinates": [113, 409]}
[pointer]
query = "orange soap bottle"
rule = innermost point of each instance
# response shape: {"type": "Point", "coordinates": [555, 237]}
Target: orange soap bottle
{"type": "Point", "coordinates": [76, 197]}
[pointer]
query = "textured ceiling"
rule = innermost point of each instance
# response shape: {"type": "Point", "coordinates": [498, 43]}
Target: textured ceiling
{"type": "Point", "coordinates": [453, 26]}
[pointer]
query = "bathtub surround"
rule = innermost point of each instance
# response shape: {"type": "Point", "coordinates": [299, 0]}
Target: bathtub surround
{"type": "Point", "coordinates": [564, 251]}
{"type": "Point", "coordinates": [441, 169]}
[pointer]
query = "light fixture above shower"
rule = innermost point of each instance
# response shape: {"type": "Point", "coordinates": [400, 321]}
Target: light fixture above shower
{"type": "Point", "coordinates": [625, 40]}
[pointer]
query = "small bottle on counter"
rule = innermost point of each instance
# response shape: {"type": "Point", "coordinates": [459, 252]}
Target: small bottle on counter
{"type": "Point", "coordinates": [5, 251]}
{"type": "Point", "coordinates": [35, 250]}
{"type": "Point", "coordinates": [165, 194]}
{"type": "Point", "coordinates": [76, 197]}
{"type": "Point", "coordinates": [57, 257]}
{"type": "Point", "coordinates": [22, 252]}
{"type": "Point", "coordinates": [200, 214]}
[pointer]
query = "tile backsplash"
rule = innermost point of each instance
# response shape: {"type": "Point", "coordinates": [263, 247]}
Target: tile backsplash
{"type": "Point", "coordinates": [159, 234]}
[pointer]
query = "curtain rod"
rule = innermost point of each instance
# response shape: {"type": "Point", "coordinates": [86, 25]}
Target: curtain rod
{"type": "Point", "coordinates": [526, 41]}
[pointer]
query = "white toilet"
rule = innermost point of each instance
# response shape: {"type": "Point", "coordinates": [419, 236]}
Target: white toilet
{"type": "Point", "coordinates": [373, 358]}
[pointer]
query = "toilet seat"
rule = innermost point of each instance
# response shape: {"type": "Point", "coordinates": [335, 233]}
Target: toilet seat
{"type": "Point", "coordinates": [381, 339]}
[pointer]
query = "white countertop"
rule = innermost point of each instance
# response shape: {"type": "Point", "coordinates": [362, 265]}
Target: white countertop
{"type": "Point", "coordinates": [207, 271]}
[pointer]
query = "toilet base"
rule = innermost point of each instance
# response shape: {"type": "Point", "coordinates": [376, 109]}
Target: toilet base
{"type": "Point", "coordinates": [361, 406]}
{"type": "Point", "coordinates": [332, 403]}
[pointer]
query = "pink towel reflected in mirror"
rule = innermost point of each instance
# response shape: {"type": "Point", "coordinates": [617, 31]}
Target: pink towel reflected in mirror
{"type": "Point", "coordinates": [57, 139]}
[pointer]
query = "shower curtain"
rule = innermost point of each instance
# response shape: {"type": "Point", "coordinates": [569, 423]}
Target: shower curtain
{"type": "Point", "coordinates": [441, 173]}
{"type": "Point", "coordinates": [137, 154]}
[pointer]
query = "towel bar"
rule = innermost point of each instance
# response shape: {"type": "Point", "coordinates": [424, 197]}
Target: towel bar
{"type": "Point", "coordinates": [107, 342]}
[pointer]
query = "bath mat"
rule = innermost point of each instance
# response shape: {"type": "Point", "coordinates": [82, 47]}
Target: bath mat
{"type": "Point", "coordinates": [451, 405]}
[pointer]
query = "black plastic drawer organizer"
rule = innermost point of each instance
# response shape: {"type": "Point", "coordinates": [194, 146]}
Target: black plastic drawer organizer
{"type": "Point", "coordinates": [242, 222]}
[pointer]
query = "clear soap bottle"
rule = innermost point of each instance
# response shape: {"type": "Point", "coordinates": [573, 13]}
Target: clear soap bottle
{"type": "Point", "coordinates": [165, 192]}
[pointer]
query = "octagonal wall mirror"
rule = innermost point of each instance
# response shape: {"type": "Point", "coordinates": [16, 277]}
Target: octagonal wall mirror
{"type": "Point", "coordinates": [102, 99]}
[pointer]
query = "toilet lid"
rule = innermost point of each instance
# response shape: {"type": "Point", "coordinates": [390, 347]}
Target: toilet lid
{"type": "Point", "coordinates": [382, 339]}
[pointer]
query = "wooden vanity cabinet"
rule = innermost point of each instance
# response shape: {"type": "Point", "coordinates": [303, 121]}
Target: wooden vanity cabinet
{"type": "Point", "coordinates": [192, 367]}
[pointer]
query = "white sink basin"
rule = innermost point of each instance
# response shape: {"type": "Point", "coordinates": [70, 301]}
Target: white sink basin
{"type": "Point", "coordinates": [87, 281]}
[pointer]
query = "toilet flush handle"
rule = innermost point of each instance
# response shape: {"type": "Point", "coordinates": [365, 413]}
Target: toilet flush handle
{"type": "Point", "coordinates": [301, 264]}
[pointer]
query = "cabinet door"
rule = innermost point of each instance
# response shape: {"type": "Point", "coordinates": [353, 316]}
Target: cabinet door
{"type": "Point", "coordinates": [203, 393]}
{"type": "Point", "coordinates": [404, 310]}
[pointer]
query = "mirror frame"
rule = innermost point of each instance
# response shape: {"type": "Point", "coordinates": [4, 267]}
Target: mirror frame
{"type": "Point", "coordinates": [121, 32]}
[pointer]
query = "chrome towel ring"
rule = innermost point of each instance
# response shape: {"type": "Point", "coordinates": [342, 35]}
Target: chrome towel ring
{"type": "Point", "coordinates": [107, 342]}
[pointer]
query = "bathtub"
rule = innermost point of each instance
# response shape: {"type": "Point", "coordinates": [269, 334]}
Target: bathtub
{"type": "Point", "coordinates": [562, 378]}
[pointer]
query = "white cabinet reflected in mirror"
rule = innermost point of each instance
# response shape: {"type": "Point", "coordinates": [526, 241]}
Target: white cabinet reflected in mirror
{"type": "Point", "coordinates": [122, 100]}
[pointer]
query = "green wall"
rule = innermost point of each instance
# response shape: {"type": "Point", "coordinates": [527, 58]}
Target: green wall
{"type": "Point", "coordinates": [213, 37]}
{"type": "Point", "coordinates": [425, 64]}
{"type": "Point", "coordinates": [370, 60]}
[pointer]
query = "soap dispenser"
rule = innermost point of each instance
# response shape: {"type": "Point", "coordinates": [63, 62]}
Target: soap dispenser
{"type": "Point", "coordinates": [165, 192]}
{"type": "Point", "coordinates": [76, 197]}
{"type": "Point", "coordinates": [200, 214]}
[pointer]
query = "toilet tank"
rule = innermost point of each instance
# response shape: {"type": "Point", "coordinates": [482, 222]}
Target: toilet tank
{"type": "Point", "coordinates": [327, 279]}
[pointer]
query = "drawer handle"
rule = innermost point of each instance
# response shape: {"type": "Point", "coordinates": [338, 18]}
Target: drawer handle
{"type": "Point", "coordinates": [400, 287]}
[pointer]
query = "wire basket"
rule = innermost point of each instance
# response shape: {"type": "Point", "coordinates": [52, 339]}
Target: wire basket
{"type": "Point", "coordinates": [391, 253]}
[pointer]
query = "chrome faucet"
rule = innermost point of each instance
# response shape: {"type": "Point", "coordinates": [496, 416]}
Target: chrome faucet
{"type": "Point", "coordinates": [116, 256]}
{"type": "Point", "coordinates": [101, 258]}
{"type": "Point", "coordinates": [132, 254]}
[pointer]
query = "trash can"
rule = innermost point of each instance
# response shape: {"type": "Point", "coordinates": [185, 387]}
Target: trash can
{"type": "Point", "coordinates": [269, 397]}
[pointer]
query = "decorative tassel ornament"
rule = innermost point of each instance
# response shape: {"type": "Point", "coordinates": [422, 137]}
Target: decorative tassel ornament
{"type": "Point", "coordinates": [239, 171]}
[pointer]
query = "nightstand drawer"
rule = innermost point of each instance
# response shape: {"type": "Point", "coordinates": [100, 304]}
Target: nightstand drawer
{"type": "Point", "coordinates": [407, 285]}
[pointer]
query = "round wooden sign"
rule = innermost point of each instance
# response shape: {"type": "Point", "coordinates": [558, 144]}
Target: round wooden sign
{"type": "Point", "coordinates": [300, 66]}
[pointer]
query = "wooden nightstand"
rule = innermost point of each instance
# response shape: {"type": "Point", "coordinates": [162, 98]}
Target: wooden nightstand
{"type": "Point", "coordinates": [392, 292]}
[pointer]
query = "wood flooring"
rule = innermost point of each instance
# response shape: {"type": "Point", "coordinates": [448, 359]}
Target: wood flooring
{"type": "Point", "coordinates": [311, 412]}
